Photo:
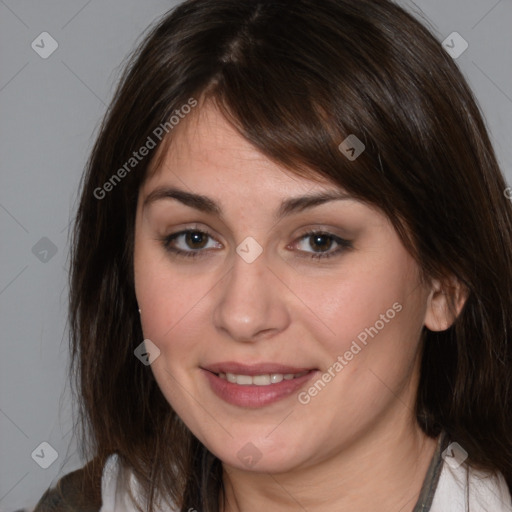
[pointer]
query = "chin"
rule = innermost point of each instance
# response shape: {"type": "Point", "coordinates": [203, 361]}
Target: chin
{"type": "Point", "coordinates": [259, 454]}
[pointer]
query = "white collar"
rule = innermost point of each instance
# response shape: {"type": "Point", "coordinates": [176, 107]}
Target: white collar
{"type": "Point", "coordinates": [115, 482]}
{"type": "Point", "coordinates": [464, 488]}
{"type": "Point", "coordinates": [459, 489]}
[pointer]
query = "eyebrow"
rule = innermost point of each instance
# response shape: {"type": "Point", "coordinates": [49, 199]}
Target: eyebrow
{"type": "Point", "coordinates": [208, 205]}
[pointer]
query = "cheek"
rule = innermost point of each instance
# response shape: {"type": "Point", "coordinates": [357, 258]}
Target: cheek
{"type": "Point", "coordinates": [171, 302]}
{"type": "Point", "coordinates": [371, 318]}
{"type": "Point", "coordinates": [369, 358]}
{"type": "Point", "coordinates": [170, 308]}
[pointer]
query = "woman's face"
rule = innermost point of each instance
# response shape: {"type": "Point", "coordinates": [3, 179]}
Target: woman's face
{"type": "Point", "coordinates": [253, 300]}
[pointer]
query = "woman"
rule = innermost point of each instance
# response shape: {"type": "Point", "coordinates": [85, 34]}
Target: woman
{"type": "Point", "coordinates": [291, 280]}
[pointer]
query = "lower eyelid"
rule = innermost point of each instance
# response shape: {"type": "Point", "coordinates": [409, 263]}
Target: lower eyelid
{"type": "Point", "coordinates": [167, 240]}
{"type": "Point", "coordinates": [342, 244]}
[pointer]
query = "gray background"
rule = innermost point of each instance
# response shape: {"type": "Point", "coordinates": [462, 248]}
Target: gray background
{"type": "Point", "coordinates": [50, 110]}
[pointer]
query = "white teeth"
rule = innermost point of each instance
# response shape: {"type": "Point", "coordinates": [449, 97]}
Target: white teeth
{"type": "Point", "coordinates": [259, 380]}
{"type": "Point", "coordinates": [275, 378]}
{"type": "Point", "coordinates": [243, 380]}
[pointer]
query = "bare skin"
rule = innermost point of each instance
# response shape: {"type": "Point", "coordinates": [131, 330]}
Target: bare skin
{"type": "Point", "coordinates": [355, 445]}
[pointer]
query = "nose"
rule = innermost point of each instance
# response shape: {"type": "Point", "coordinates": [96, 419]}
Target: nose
{"type": "Point", "coordinates": [252, 302]}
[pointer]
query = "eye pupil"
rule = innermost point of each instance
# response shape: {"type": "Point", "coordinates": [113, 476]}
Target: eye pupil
{"type": "Point", "coordinates": [195, 239]}
{"type": "Point", "coordinates": [322, 242]}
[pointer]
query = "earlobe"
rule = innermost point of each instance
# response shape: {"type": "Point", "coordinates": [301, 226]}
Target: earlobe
{"type": "Point", "coordinates": [444, 304]}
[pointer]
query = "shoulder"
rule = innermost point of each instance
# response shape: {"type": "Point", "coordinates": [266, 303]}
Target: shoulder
{"type": "Point", "coordinates": [99, 487]}
{"type": "Point", "coordinates": [78, 491]}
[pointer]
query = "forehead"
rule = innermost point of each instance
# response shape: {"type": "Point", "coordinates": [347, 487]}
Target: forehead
{"type": "Point", "coordinates": [206, 148]}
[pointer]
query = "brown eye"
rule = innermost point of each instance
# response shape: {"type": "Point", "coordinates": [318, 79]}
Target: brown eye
{"type": "Point", "coordinates": [320, 243]}
{"type": "Point", "coordinates": [190, 243]}
{"type": "Point", "coordinates": [196, 239]}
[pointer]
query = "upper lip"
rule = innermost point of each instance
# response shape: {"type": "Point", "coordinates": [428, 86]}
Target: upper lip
{"type": "Point", "coordinates": [254, 369]}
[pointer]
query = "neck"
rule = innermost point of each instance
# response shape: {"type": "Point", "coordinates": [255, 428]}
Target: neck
{"type": "Point", "coordinates": [383, 469]}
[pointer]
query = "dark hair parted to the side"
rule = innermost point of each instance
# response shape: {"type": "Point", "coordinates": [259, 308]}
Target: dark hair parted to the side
{"type": "Point", "coordinates": [296, 78]}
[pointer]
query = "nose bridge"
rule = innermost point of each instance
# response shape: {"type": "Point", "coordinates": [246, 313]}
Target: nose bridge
{"type": "Point", "coordinates": [247, 304]}
{"type": "Point", "coordinates": [249, 267]}
{"type": "Point", "coordinates": [246, 281]}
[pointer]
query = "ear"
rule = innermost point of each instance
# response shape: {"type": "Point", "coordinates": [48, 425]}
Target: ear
{"type": "Point", "coordinates": [444, 304]}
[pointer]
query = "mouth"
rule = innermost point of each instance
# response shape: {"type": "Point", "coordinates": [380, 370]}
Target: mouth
{"type": "Point", "coordinates": [255, 385]}
{"type": "Point", "coordinates": [265, 379]}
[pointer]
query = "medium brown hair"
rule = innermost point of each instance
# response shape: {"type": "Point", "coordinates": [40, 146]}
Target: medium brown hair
{"type": "Point", "coordinates": [295, 78]}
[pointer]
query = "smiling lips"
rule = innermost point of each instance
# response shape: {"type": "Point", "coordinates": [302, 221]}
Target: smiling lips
{"type": "Point", "coordinates": [265, 379]}
{"type": "Point", "coordinates": [255, 385]}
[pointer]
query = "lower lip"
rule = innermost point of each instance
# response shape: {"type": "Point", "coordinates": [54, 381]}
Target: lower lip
{"type": "Point", "coordinates": [253, 395]}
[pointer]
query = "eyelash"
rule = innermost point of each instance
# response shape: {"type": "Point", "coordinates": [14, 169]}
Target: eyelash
{"type": "Point", "coordinates": [342, 244]}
